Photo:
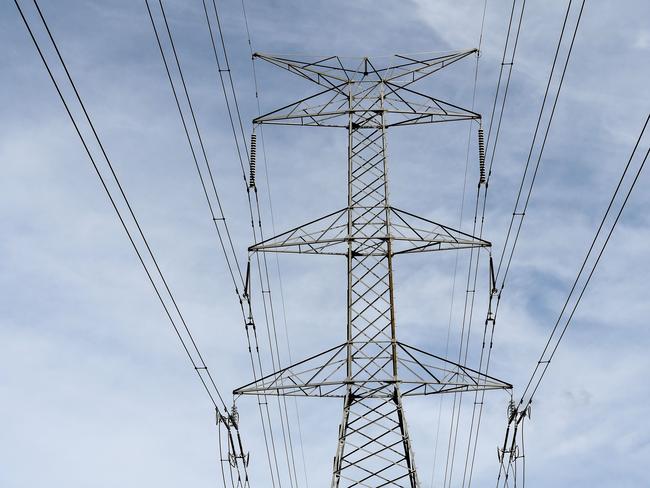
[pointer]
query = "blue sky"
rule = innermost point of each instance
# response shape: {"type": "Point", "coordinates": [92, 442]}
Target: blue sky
{"type": "Point", "coordinates": [96, 390]}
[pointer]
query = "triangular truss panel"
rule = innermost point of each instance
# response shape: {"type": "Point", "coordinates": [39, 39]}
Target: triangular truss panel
{"type": "Point", "coordinates": [323, 109]}
{"type": "Point", "coordinates": [326, 235]}
{"type": "Point", "coordinates": [321, 375]}
{"type": "Point", "coordinates": [412, 234]}
{"type": "Point", "coordinates": [408, 107]}
{"type": "Point", "coordinates": [429, 374]}
{"type": "Point", "coordinates": [408, 234]}
{"type": "Point", "coordinates": [326, 375]}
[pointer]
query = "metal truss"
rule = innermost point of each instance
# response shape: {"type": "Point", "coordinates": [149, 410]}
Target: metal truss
{"type": "Point", "coordinates": [371, 370]}
{"type": "Point", "coordinates": [408, 233]}
{"type": "Point", "coordinates": [358, 93]}
{"type": "Point", "coordinates": [325, 375]}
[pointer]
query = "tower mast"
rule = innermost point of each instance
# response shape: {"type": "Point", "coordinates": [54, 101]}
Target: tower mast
{"type": "Point", "coordinates": [372, 370]}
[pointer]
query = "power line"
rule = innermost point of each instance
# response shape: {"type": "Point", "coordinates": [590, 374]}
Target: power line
{"type": "Point", "coordinates": [228, 251]}
{"type": "Point", "coordinates": [226, 419]}
{"type": "Point", "coordinates": [277, 261]}
{"type": "Point", "coordinates": [216, 217]}
{"type": "Point", "coordinates": [236, 123]}
{"type": "Point", "coordinates": [554, 339]}
{"type": "Point", "coordinates": [471, 285]}
{"type": "Point", "coordinates": [596, 248]}
{"type": "Point", "coordinates": [244, 296]}
{"type": "Point", "coordinates": [451, 451]}
{"type": "Point", "coordinates": [234, 114]}
{"type": "Point", "coordinates": [522, 213]}
{"type": "Point", "coordinates": [506, 65]}
{"type": "Point", "coordinates": [492, 314]}
{"type": "Point", "coordinates": [197, 362]}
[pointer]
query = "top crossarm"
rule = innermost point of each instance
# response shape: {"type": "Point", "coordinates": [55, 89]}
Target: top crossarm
{"type": "Point", "coordinates": [331, 71]}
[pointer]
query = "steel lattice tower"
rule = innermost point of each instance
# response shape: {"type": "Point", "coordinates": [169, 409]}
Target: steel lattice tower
{"type": "Point", "coordinates": [371, 370]}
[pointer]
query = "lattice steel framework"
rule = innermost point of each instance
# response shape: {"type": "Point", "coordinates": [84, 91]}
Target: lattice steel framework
{"type": "Point", "coordinates": [371, 370]}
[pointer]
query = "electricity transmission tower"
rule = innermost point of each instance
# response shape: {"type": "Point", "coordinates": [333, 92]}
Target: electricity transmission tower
{"type": "Point", "coordinates": [372, 370]}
